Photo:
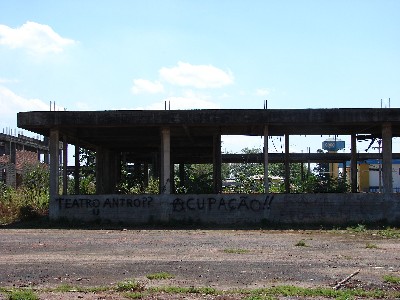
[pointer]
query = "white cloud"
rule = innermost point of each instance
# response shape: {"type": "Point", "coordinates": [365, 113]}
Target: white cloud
{"type": "Point", "coordinates": [198, 76]}
{"type": "Point", "coordinates": [146, 86]}
{"type": "Point", "coordinates": [11, 103]}
{"type": "Point", "coordinates": [34, 37]}
{"type": "Point", "coordinates": [5, 80]}
{"type": "Point", "coordinates": [262, 92]}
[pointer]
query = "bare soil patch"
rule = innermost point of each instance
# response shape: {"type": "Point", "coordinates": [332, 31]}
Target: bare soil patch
{"type": "Point", "coordinates": [222, 259]}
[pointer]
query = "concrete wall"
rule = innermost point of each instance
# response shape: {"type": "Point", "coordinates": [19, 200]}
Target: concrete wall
{"type": "Point", "coordinates": [231, 209]}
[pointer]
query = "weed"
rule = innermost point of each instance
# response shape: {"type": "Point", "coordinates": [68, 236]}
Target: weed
{"type": "Point", "coordinates": [236, 251]}
{"type": "Point", "coordinates": [22, 295]}
{"type": "Point", "coordinates": [159, 276]}
{"type": "Point", "coordinates": [358, 228]}
{"type": "Point", "coordinates": [388, 232]}
{"type": "Point", "coordinates": [301, 243]}
{"type": "Point", "coordinates": [371, 246]}
{"type": "Point", "coordinates": [129, 286]}
{"type": "Point", "coordinates": [391, 279]}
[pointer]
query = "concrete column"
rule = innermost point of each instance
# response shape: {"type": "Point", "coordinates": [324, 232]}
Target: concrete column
{"type": "Point", "coordinates": [387, 175]}
{"type": "Point", "coordinates": [13, 152]}
{"type": "Point", "coordinates": [353, 164]}
{"type": "Point", "coordinates": [77, 170]}
{"type": "Point", "coordinates": [54, 163]}
{"type": "Point", "coordinates": [217, 164]}
{"type": "Point", "coordinates": [287, 166]}
{"type": "Point", "coordinates": [165, 181]}
{"type": "Point", "coordinates": [100, 170]}
{"type": "Point", "coordinates": [114, 169]}
{"type": "Point", "coordinates": [65, 165]}
{"type": "Point", "coordinates": [266, 181]}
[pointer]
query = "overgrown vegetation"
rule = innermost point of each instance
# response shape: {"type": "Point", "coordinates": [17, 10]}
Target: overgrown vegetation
{"type": "Point", "coordinates": [29, 200]}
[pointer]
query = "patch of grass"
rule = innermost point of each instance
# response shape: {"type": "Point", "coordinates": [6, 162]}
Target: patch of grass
{"type": "Point", "coordinates": [129, 286]}
{"type": "Point", "coordinates": [22, 295]}
{"type": "Point", "coordinates": [391, 233]}
{"type": "Point", "coordinates": [391, 279]}
{"type": "Point", "coordinates": [294, 291]}
{"type": "Point", "coordinates": [160, 276]}
{"type": "Point", "coordinates": [301, 243]}
{"type": "Point", "coordinates": [236, 251]}
{"type": "Point", "coordinates": [134, 290]}
{"type": "Point", "coordinates": [135, 295]}
{"type": "Point", "coordinates": [371, 246]}
{"type": "Point", "coordinates": [357, 229]}
{"type": "Point", "coordinates": [64, 288]}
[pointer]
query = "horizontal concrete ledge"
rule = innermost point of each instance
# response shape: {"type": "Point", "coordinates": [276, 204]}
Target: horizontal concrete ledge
{"type": "Point", "coordinates": [230, 209]}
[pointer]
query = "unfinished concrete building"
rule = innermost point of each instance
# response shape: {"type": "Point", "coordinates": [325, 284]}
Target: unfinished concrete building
{"type": "Point", "coordinates": [165, 138]}
{"type": "Point", "coordinates": [16, 151]}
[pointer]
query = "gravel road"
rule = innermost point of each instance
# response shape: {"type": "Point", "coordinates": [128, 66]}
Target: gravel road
{"type": "Point", "coordinates": [222, 259]}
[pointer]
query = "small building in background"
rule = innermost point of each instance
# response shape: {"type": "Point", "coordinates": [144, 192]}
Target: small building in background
{"type": "Point", "coordinates": [370, 175]}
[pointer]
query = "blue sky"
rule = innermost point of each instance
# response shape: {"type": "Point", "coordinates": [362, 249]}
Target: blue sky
{"type": "Point", "coordinates": [100, 55]}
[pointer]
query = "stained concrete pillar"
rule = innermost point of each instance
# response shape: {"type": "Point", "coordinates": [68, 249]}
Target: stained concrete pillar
{"type": "Point", "coordinates": [287, 165]}
{"type": "Point", "coordinates": [266, 163]}
{"type": "Point", "coordinates": [65, 165]}
{"type": "Point", "coordinates": [387, 175]}
{"type": "Point", "coordinates": [13, 152]}
{"type": "Point", "coordinates": [353, 164]}
{"type": "Point", "coordinates": [54, 163]}
{"type": "Point", "coordinates": [107, 168]}
{"type": "Point", "coordinates": [77, 170]}
{"type": "Point", "coordinates": [114, 169]}
{"type": "Point", "coordinates": [102, 170]}
{"type": "Point", "coordinates": [165, 180]}
{"type": "Point", "coordinates": [217, 164]}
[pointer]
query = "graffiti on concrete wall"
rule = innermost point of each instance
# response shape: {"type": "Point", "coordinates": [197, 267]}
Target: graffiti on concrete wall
{"type": "Point", "coordinates": [227, 203]}
{"type": "Point", "coordinates": [177, 204]}
{"type": "Point", "coordinates": [107, 203]}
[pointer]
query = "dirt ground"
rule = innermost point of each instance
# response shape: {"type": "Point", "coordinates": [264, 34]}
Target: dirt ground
{"type": "Point", "coordinates": [223, 259]}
